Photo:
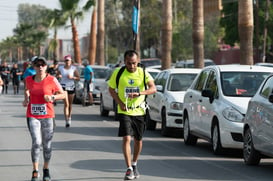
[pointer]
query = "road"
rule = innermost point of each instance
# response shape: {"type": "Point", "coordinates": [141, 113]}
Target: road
{"type": "Point", "coordinates": [90, 150]}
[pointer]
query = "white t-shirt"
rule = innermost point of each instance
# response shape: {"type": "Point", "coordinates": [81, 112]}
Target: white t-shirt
{"type": "Point", "coordinates": [69, 84]}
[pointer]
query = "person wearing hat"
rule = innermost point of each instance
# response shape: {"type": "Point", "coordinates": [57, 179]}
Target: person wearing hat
{"type": "Point", "coordinates": [41, 90]}
{"type": "Point", "coordinates": [68, 74]}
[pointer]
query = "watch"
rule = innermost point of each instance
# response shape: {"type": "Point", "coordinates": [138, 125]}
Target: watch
{"type": "Point", "coordinates": [52, 97]}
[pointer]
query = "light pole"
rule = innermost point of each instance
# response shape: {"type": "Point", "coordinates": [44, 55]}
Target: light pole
{"type": "Point", "coordinates": [135, 22]}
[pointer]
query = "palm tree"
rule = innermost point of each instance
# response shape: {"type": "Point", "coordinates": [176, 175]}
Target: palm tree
{"type": "Point", "coordinates": [198, 33]}
{"type": "Point", "coordinates": [93, 38]}
{"type": "Point", "coordinates": [101, 32]}
{"type": "Point", "coordinates": [56, 20]}
{"type": "Point", "coordinates": [166, 34]}
{"type": "Point", "coordinates": [73, 12]}
{"type": "Point", "coordinates": [246, 31]}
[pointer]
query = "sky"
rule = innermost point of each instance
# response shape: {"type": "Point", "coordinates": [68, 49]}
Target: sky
{"type": "Point", "coordinates": [9, 18]}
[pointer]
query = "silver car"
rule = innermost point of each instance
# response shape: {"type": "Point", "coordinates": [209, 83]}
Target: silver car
{"type": "Point", "coordinates": [258, 125]}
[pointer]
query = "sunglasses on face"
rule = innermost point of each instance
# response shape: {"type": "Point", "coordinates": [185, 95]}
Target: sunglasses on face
{"type": "Point", "coordinates": [40, 64]}
{"type": "Point", "coordinates": [67, 60]}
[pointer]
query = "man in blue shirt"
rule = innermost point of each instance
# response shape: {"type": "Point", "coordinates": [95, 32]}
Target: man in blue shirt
{"type": "Point", "coordinates": [88, 80]}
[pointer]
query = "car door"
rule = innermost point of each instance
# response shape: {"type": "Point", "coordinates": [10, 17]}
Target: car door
{"type": "Point", "coordinates": [154, 99]}
{"type": "Point", "coordinates": [194, 100]}
{"type": "Point", "coordinates": [207, 107]}
{"type": "Point", "coordinates": [263, 127]}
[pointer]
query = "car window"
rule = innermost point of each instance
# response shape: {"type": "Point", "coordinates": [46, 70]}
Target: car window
{"type": "Point", "coordinates": [267, 88]}
{"type": "Point", "coordinates": [244, 84]}
{"type": "Point", "coordinates": [180, 82]}
{"type": "Point", "coordinates": [201, 80]}
{"type": "Point", "coordinates": [212, 83]}
{"type": "Point", "coordinates": [100, 73]}
{"type": "Point", "coordinates": [158, 80]}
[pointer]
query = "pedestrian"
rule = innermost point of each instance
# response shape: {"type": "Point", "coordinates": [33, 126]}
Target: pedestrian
{"type": "Point", "coordinates": [5, 73]}
{"type": "Point", "coordinates": [30, 70]}
{"type": "Point", "coordinates": [68, 74]}
{"type": "Point", "coordinates": [40, 91]}
{"type": "Point", "coordinates": [53, 69]}
{"type": "Point", "coordinates": [15, 74]}
{"type": "Point", "coordinates": [1, 85]}
{"type": "Point", "coordinates": [89, 81]}
{"type": "Point", "coordinates": [130, 98]}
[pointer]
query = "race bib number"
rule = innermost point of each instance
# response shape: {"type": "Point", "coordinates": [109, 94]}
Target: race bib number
{"type": "Point", "coordinates": [129, 90]}
{"type": "Point", "coordinates": [38, 109]}
{"type": "Point", "coordinates": [68, 87]}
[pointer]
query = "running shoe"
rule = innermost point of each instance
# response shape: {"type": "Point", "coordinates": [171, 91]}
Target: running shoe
{"type": "Point", "coordinates": [136, 172]}
{"type": "Point", "coordinates": [129, 175]}
{"type": "Point", "coordinates": [46, 176]}
{"type": "Point", "coordinates": [35, 175]}
{"type": "Point", "coordinates": [68, 123]}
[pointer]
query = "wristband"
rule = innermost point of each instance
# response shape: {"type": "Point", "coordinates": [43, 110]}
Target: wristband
{"type": "Point", "coordinates": [52, 97]}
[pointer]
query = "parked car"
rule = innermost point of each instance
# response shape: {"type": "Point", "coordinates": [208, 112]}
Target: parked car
{"type": "Point", "coordinates": [265, 64]}
{"type": "Point", "coordinates": [258, 125]}
{"type": "Point", "coordinates": [166, 105]}
{"type": "Point", "coordinates": [216, 102]}
{"type": "Point", "coordinates": [107, 102]}
{"type": "Point", "coordinates": [100, 74]}
{"type": "Point", "coordinates": [190, 63]}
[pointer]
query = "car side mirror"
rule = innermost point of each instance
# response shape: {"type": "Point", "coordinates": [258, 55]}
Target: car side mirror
{"type": "Point", "coordinates": [159, 88]}
{"type": "Point", "coordinates": [271, 98]}
{"type": "Point", "coordinates": [208, 93]}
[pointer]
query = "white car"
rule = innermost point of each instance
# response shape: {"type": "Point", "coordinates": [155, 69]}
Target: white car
{"type": "Point", "coordinates": [258, 125]}
{"type": "Point", "coordinates": [107, 102]}
{"type": "Point", "coordinates": [165, 106]}
{"type": "Point", "coordinates": [100, 74]}
{"type": "Point", "coordinates": [216, 102]}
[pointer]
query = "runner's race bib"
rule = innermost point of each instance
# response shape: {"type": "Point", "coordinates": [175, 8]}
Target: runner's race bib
{"type": "Point", "coordinates": [38, 109]}
{"type": "Point", "coordinates": [129, 90]}
{"type": "Point", "coordinates": [68, 87]}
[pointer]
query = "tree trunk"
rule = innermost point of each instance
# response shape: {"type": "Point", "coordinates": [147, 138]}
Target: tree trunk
{"type": "Point", "coordinates": [257, 29]}
{"type": "Point", "coordinates": [166, 40]}
{"type": "Point", "coordinates": [265, 30]}
{"type": "Point", "coordinates": [245, 25]}
{"type": "Point", "coordinates": [93, 38]}
{"type": "Point", "coordinates": [76, 44]}
{"type": "Point", "coordinates": [101, 33]}
{"type": "Point", "coordinates": [198, 33]}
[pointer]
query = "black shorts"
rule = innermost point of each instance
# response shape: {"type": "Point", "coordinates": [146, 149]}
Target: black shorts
{"type": "Point", "coordinates": [131, 125]}
{"type": "Point", "coordinates": [69, 91]}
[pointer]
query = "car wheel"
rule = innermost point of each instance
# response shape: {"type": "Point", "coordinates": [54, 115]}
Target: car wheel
{"type": "Point", "coordinates": [215, 139]}
{"type": "Point", "coordinates": [251, 156]}
{"type": "Point", "coordinates": [151, 124]}
{"type": "Point", "coordinates": [84, 96]}
{"type": "Point", "coordinates": [189, 139]}
{"type": "Point", "coordinates": [164, 128]}
{"type": "Point", "coordinates": [103, 112]}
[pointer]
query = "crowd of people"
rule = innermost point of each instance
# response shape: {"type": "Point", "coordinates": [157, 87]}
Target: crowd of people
{"type": "Point", "coordinates": [44, 85]}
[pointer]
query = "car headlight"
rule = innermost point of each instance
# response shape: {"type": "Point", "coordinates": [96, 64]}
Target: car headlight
{"type": "Point", "coordinates": [233, 115]}
{"type": "Point", "coordinates": [176, 106]}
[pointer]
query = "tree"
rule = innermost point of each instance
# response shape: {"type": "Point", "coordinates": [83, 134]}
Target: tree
{"type": "Point", "coordinates": [245, 24]}
{"type": "Point", "coordinates": [166, 34]}
{"type": "Point", "coordinates": [101, 33]}
{"type": "Point", "coordinates": [198, 33]}
{"type": "Point", "coordinates": [93, 38]}
{"type": "Point", "coordinates": [57, 20]}
{"type": "Point", "coordinates": [72, 11]}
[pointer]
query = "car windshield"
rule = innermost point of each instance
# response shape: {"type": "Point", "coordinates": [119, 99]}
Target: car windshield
{"type": "Point", "coordinates": [150, 62]}
{"type": "Point", "coordinates": [180, 82]}
{"type": "Point", "coordinates": [241, 84]}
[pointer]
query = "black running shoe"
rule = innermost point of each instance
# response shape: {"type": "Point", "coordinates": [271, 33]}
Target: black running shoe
{"type": "Point", "coordinates": [136, 172]}
{"type": "Point", "coordinates": [35, 175]}
{"type": "Point", "coordinates": [46, 176]}
{"type": "Point", "coordinates": [129, 175]}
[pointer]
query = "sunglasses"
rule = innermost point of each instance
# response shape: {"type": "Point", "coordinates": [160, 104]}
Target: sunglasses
{"type": "Point", "coordinates": [40, 64]}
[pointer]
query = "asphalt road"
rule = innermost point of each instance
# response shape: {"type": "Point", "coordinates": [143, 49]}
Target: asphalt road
{"type": "Point", "coordinates": [90, 150]}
